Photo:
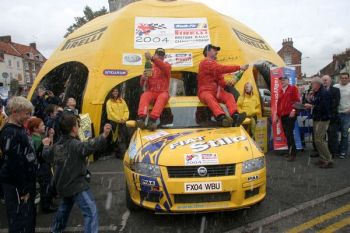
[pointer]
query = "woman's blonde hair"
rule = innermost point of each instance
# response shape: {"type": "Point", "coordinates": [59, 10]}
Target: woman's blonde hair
{"type": "Point", "coordinates": [19, 104]}
{"type": "Point", "coordinates": [251, 85]}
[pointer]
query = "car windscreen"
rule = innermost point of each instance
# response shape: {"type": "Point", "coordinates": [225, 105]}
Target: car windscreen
{"type": "Point", "coordinates": [186, 117]}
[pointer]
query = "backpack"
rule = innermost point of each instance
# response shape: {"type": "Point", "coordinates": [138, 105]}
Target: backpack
{"type": "Point", "coordinates": [61, 156]}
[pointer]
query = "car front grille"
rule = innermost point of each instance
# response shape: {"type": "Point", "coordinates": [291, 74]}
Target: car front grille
{"type": "Point", "coordinates": [200, 198]}
{"type": "Point", "coordinates": [192, 171]}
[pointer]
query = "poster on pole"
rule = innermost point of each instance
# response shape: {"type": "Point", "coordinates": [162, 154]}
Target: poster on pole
{"type": "Point", "coordinates": [279, 138]}
{"type": "Point", "coordinates": [171, 33]}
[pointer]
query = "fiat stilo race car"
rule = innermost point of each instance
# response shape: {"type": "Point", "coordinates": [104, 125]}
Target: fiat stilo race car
{"type": "Point", "coordinates": [191, 165]}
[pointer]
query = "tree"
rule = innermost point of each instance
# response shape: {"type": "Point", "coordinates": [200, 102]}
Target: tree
{"type": "Point", "coordinates": [89, 14]}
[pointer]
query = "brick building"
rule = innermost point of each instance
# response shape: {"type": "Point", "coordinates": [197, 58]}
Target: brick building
{"type": "Point", "coordinates": [339, 64]}
{"type": "Point", "coordinates": [291, 56]}
{"type": "Point", "coordinates": [20, 62]}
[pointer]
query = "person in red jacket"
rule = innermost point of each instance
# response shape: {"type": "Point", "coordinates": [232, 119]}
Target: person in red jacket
{"type": "Point", "coordinates": [156, 90]}
{"type": "Point", "coordinates": [211, 86]}
{"type": "Point", "coordinates": [287, 97]}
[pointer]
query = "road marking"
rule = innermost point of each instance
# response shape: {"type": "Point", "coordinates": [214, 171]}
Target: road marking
{"type": "Point", "coordinates": [201, 230]}
{"type": "Point", "coordinates": [275, 217]}
{"type": "Point", "coordinates": [320, 219]}
{"type": "Point", "coordinates": [125, 218]}
{"type": "Point", "coordinates": [68, 229]}
{"type": "Point", "coordinates": [336, 226]}
{"type": "Point", "coordinates": [107, 173]}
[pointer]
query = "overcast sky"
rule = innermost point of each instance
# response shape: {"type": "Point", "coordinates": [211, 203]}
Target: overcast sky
{"type": "Point", "coordinates": [319, 28]}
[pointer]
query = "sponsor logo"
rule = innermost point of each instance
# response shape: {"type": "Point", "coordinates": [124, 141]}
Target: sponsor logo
{"type": "Point", "coordinates": [198, 187]}
{"type": "Point", "coordinates": [157, 135]}
{"type": "Point", "coordinates": [186, 142]}
{"type": "Point", "coordinates": [252, 178]}
{"type": "Point", "coordinates": [147, 28]}
{"type": "Point", "coordinates": [201, 159]}
{"type": "Point", "coordinates": [132, 150]}
{"type": "Point", "coordinates": [186, 25]}
{"type": "Point", "coordinates": [132, 59]}
{"type": "Point", "coordinates": [84, 39]}
{"type": "Point", "coordinates": [148, 182]}
{"type": "Point", "coordinates": [252, 41]}
{"type": "Point", "coordinates": [110, 72]}
{"type": "Point", "coordinates": [200, 206]}
{"type": "Point", "coordinates": [202, 171]}
{"type": "Point", "coordinates": [179, 59]}
{"type": "Point", "coordinates": [198, 144]}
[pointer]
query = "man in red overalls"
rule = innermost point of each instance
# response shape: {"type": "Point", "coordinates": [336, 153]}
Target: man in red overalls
{"type": "Point", "coordinates": [156, 90]}
{"type": "Point", "coordinates": [211, 86]}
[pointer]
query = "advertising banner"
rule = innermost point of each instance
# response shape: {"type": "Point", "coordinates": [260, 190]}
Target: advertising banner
{"type": "Point", "coordinates": [261, 133]}
{"type": "Point", "coordinates": [279, 139]}
{"type": "Point", "coordinates": [174, 33]}
{"type": "Point", "coordinates": [85, 130]}
{"type": "Point", "coordinates": [179, 59]}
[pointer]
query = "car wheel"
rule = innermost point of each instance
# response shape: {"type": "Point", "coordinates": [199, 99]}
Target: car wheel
{"type": "Point", "coordinates": [129, 202]}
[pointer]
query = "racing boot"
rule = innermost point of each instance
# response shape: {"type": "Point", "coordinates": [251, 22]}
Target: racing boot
{"type": "Point", "coordinates": [238, 118]}
{"type": "Point", "coordinates": [151, 126]}
{"type": "Point", "coordinates": [224, 121]}
{"type": "Point", "coordinates": [141, 123]}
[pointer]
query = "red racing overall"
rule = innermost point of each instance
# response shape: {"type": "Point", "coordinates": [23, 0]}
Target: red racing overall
{"type": "Point", "coordinates": [211, 85]}
{"type": "Point", "coordinates": [157, 89]}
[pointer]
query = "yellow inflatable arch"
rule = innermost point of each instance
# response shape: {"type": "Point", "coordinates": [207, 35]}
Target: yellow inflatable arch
{"type": "Point", "coordinates": [108, 51]}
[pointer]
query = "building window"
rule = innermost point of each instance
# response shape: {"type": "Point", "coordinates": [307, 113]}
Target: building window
{"type": "Point", "coordinates": [288, 59]}
{"type": "Point", "coordinates": [18, 64]}
{"type": "Point", "coordinates": [29, 55]}
{"type": "Point", "coordinates": [9, 62]}
{"type": "Point", "coordinates": [33, 66]}
{"type": "Point", "coordinates": [26, 66]}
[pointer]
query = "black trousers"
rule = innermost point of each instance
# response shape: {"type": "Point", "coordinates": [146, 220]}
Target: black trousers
{"type": "Point", "coordinates": [21, 216]}
{"type": "Point", "coordinates": [44, 179]}
{"type": "Point", "coordinates": [332, 133]}
{"type": "Point", "coordinates": [288, 124]}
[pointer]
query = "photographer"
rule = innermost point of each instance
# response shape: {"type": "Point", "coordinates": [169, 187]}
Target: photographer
{"type": "Point", "coordinates": [40, 103]}
{"type": "Point", "coordinates": [69, 158]}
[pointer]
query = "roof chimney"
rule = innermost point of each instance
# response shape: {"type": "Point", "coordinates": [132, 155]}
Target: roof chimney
{"type": "Point", "coordinates": [287, 42]}
{"type": "Point", "coordinates": [33, 45]}
{"type": "Point", "coordinates": [6, 39]}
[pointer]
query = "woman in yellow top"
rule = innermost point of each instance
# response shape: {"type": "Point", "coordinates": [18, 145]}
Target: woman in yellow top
{"type": "Point", "coordinates": [117, 115]}
{"type": "Point", "coordinates": [3, 117]}
{"type": "Point", "coordinates": [250, 104]}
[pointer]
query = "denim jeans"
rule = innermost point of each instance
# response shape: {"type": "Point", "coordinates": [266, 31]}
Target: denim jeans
{"type": "Point", "coordinates": [87, 205]}
{"type": "Point", "coordinates": [344, 127]}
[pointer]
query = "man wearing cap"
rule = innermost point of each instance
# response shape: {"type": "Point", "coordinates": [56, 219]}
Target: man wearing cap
{"type": "Point", "coordinates": [287, 97]}
{"type": "Point", "coordinates": [211, 86]}
{"type": "Point", "coordinates": [321, 105]}
{"type": "Point", "coordinates": [156, 90]}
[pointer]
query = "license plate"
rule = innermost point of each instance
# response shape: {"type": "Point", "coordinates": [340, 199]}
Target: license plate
{"type": "Point", "coordinates": [198, 187]}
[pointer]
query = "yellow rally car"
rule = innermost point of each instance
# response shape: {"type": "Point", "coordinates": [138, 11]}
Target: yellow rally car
{"type": "Point", "coordinates": [190, 165]}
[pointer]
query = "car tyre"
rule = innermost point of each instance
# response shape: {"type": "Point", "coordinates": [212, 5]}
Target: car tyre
{"type": "Point", "coordinates": [129, 202]}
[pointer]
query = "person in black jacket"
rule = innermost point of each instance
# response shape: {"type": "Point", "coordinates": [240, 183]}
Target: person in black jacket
{"type": "Point", "coordinates": [69, 157]}
{"type": "Point", "coordinates": [332, 131]}
{"type": "Point", "coordinates": [18, 168]}
{"type": "Point", "coordinates": [321, 105]}
{"type": "Point", "coordinates": [40, 103]}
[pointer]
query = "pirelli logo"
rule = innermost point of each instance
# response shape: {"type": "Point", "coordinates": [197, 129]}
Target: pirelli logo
{"type": "Point", "coordinates": [84, 39]}
{"type": "Point", "coordinates": [255, 42]}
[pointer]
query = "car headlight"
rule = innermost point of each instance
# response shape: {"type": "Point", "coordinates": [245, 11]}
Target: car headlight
{"type": "Point", "coordinates": [147, 169]}
{"type": "Point", "coordinates": [253, 165]}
